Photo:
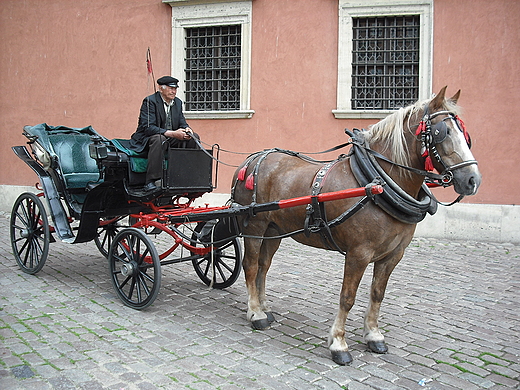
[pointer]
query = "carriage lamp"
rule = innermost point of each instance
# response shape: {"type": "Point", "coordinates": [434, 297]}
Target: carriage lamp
{"type": "Point", "coordinates": [97, 149]}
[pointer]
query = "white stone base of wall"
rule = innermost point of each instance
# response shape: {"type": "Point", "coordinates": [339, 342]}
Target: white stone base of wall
{"type": "Point", "coordinates": [473, 222]}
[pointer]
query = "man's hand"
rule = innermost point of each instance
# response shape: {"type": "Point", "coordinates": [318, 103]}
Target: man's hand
{"type": "Point", "coordinates": [180, 134]}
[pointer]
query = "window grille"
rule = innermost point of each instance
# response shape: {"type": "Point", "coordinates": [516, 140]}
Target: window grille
{"type": "Point", "coordinates": [213, 68]}
{"type": "Point", "coordinates": [385, 62]}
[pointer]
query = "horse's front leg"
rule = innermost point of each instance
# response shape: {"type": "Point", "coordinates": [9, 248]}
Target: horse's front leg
{"type": "Point", "coordinates": [382, 270]}
{"type": "Point", "coordinates": [352, 274]}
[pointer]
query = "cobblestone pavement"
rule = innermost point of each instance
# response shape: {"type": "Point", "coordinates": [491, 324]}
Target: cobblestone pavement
{"type": "Point", "coordinates": [450, 318]}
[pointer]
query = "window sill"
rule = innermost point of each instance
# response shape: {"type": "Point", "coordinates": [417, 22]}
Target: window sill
{"type": "Point", "coordinates": [242, 114]}
{"type": "Point", "coordinates": [349, 114]}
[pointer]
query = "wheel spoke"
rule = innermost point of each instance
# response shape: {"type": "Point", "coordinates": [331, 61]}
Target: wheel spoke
{"type": "Point", "coordinates": [36, 244]}
{"type": "Point", "coordinates": [142, 282]}
{"type": "Point", "coordinates": [105, 238]}
{"type": "Point", "coordinates": [125, 281]}
{"type": "Point", "coordinates": [150, 279]}
{"type": "Point", "coordinates": [24, 246]}
{"type": "Point", "coordinates": [26, 254]}
{"type": "Point", "coordinates": [126, 251]}
{"type": "Point", "coordinates": [220, 271]}
{"type": "Point", "coordinates": [19, 227]}
{"type": "Point", "coordinates": [206, 270]}
{"type": "Point", "coordinates": [132, 286]}
{"type": "Point", "coordinates": [221, 263]}
{"type": "Point", "coordinates": [34, 254]}
{"type": "Point", "coordinates": [25, 209]}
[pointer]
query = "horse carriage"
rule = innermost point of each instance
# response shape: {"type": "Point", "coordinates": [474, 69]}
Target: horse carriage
{"type": "Point", "coordinates": [387, 167]}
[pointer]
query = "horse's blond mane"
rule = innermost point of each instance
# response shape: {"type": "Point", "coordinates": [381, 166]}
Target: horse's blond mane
{"type": "Point", "coordinates": [390, 131]}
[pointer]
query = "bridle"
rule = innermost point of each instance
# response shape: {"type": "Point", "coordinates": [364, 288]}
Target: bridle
{"type": "Point", "coordinates": [431, 136]}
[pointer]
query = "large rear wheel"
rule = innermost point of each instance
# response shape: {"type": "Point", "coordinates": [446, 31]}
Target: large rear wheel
{"type": "Point", "coordinates": [30, 233]}
{"type": "Point", "coordinates": [135, 268]}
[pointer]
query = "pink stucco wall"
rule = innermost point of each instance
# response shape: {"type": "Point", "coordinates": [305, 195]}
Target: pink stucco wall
{"type": "Point", "coordinates": [79, 63]}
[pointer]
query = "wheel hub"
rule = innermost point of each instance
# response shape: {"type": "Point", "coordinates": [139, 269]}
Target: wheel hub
{"type": "Point", "coordinates": [129, 269]}
{"type": "Point", "coordinates": [26, 233]}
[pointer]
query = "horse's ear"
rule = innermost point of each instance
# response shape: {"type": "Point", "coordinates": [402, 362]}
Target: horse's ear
{"type": "Point", "coordinates": [455, 98]}
{"type": "Point", "coordinates": [438, 101]}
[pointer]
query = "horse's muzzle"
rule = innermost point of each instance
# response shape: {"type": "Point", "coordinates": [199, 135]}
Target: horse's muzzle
{"type": "Point", "coordinates": [467, 180]}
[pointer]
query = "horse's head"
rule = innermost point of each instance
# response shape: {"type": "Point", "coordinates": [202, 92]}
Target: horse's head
{"type": "Point", "coordinates": [445, 144]}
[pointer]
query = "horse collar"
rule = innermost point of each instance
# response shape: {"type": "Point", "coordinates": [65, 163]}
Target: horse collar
{"type": "Point", "coordinates": [394, 200]}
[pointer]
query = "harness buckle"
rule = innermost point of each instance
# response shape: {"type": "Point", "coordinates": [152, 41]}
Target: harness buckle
{"type": "Point", "coordinates": [447, 177]}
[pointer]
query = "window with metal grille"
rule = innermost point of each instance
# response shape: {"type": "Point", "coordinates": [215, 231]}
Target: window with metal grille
{"type": "Point", "coordinates": [385, 62]}
{"type": "Point", "coordinates": [213, 68]}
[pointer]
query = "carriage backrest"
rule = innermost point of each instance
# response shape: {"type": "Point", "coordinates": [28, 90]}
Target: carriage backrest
{"type": "Point", "coordinates": [77, 167]}
{"type": "Point", "coordinates": [68, 151]}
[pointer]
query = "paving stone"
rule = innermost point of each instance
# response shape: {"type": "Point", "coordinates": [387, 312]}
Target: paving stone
{"type": "Point", "coordinates": [22, 371]}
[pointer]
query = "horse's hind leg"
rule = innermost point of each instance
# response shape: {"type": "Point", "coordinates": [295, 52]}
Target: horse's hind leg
{"type": "Point", "coordinates": [371, 333]}
{"type": "Point", "coordinates": [267, 251]}
{"type": "Point", "coordinates": [258, 255]}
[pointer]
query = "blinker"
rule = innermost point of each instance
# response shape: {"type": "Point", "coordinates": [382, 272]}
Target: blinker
{"type": "Point", "coordinates": [439, 132]}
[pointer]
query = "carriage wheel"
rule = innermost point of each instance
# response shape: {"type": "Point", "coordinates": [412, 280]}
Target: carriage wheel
{"type": "Point", "coordinates": [105, 236]}
{"type": "Point", "coordinates": [135, 268]}
{"type": "Point", "coordinates": [221, 267]}
{"type": "Point", "coordinates": [30, 233]}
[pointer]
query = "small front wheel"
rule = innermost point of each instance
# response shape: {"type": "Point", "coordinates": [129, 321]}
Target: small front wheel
{"type": "Point", "coordinates": [221, 267]}
{"type": "Point", "coordinates": [105, 234]}
{"type": "Point", "coordinates": [30, 233]}
{"type": "Point", "coordinates": [135, 268]}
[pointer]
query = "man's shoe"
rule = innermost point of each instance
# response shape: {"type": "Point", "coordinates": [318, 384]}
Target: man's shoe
{"type": "Point", "coordinates": [150, 187]}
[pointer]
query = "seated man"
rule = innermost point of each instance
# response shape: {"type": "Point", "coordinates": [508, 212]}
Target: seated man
{"type": "Point", "coordinates": [161, 119]}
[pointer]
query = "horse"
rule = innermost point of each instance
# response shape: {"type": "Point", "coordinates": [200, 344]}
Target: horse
{"type": "Point", "coordinates": [406, 146]}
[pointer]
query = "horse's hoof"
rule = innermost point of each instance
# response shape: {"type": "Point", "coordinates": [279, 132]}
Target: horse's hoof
{"type": "Point", "coordinates": [377, 346]}
{"type": "Point", "coordinates": [261, 324]}
{"type": "Point", "coordinates": [341, 357]}
{"type": "Point", "coordinates": [270, 317]}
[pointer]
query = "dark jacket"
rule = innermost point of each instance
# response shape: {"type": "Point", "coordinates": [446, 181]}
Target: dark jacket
{"type": "Point", "coordinates": [152, 120]}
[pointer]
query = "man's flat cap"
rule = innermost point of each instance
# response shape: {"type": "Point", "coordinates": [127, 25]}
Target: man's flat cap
{"type": "Point", "coordinates": [169, 81]}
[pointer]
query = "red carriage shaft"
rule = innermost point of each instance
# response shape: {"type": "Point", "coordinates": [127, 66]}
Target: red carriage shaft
{"type": "Point", "coordinates": [329, 196]}
{"type": "Point", "coordinates": [205, 214]}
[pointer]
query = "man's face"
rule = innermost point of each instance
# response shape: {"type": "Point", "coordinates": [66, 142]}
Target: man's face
{"type": "Point", "coordinates": [168, 93]}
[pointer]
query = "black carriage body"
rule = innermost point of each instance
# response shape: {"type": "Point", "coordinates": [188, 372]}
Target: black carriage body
{"type": "Point", "coordinates": [108, 187]}
{"type": "Point", "coordinates": [98, 182]}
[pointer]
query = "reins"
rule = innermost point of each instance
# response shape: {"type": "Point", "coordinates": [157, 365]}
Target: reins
{"type": "Point", "coordinates": [303, 155]}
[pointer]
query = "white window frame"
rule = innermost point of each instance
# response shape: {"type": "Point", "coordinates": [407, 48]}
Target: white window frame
{"type": "Point", "coordinates": [197, 13]}
{"type": "Point", "coordinates": [348, 10]}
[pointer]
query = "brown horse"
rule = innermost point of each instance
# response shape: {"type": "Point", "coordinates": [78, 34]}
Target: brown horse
{"type": "Point", "coordinates": [424, 133]}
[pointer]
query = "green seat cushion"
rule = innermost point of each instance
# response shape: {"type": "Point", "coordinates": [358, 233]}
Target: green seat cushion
{"type": "Point", "coordinates": [138, 160]}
